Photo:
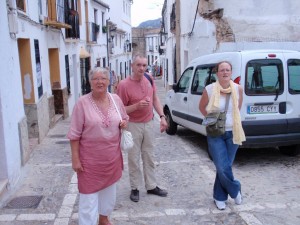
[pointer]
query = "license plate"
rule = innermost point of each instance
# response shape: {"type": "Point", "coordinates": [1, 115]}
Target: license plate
{"type": "Point", "coordinates": [262, 109]}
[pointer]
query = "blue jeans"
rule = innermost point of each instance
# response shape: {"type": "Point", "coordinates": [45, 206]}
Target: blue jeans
{"type": "Point", "coordinates": [222, 151]}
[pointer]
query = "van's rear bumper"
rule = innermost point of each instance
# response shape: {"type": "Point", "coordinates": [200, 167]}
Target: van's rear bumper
{"type": "Point", "coordinates": [271, 133]}
{"type": "Point", "coordinates": [263, 141]}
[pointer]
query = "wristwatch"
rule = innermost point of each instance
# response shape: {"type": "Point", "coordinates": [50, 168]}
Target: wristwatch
{"type": "Point", "coordinates": [161, 116]}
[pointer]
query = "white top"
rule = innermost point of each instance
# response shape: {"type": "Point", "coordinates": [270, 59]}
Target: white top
{"type": "Point", "coordinates": [228, 124]}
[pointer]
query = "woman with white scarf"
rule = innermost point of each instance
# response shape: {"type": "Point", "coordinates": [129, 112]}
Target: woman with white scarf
{"type": "Point", "coordinates": [223, 148]}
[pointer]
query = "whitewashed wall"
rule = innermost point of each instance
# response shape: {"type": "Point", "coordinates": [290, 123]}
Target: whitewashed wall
{"type": "Point", "coordinates": [123, 20]}
{"type": "Point", "coordinates": [11, 105]}
{"type": "Point", "coordinates": [255, 25]}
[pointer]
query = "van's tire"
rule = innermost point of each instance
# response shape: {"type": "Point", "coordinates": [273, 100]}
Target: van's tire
{"type": "Point", "coordinates": [172, 126]}
{"type": "Point", "coordinates": [292, 150]}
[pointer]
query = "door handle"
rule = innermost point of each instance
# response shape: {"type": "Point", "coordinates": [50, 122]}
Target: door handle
{"type": "Point", "coordinates": [185, 99]}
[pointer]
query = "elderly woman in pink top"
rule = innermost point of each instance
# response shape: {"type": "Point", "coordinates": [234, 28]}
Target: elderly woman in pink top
{"type": "Point", "coordinates": [95, 143]}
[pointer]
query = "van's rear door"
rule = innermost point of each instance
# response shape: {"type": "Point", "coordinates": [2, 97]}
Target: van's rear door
{"type": "Point", "coordinates": [292, 60]}
{"type": "Point", "coordinates": [264, 110]}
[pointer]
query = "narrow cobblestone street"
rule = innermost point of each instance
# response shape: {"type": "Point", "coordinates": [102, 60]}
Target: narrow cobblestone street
{"type": "Point", "coordinates": [270, 185]}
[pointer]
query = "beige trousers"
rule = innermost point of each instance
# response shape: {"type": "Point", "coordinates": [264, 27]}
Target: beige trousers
{"type": "Point", "coordinates": [143, 137]}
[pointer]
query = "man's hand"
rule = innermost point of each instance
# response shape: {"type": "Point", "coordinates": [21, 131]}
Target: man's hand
{"type": "Point", "coordinates": [143, 104]}
{"type": "Point", "coordinates": [163, 124]}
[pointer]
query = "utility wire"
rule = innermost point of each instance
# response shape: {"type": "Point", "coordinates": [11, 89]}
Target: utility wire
{"type": "Point", "coordinates": [194, 19]}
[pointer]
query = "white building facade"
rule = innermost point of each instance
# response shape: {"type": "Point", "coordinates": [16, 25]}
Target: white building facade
{"type": "Point", "coordinates": [119, 38]}
{"type": "Point", "coordinates": [47, 49]}
{"type": "Point", "coordinates": [205, 26]}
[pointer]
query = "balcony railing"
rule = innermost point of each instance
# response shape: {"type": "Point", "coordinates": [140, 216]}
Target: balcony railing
{"type": "Point", "coordinates": [151, 49]}
{"type": "Point", "coordinates": [93, 30]}
{"type": "Point", "coordinates": [56, 15]}
{"type": "Point", "coordinates": [72, 18]}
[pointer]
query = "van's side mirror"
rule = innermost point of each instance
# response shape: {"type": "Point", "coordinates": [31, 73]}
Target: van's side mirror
{"type": "Point", "coordinates": [175, 87]}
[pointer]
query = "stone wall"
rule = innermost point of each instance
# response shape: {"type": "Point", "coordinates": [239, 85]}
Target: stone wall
{"type": "Point", "coordinates": [139, 41]}
{"type": "Point", "coordinates": [24, 141]}
{"type": "Point", "coordinates": [51, 111]}
{"type": "Point", "coordinates": [38, 118]}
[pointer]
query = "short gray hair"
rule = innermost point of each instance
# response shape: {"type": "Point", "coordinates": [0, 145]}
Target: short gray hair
{"type": "Point", "coordinates": [101, 70]}
{"type": "Point", "coordinates": [138, 55]}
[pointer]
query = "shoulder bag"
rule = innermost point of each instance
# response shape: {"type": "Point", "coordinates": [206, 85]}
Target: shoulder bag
{"type": "Point", "coordinates": [126, 136]}
{"type": "Point", "coordinates": [215, 121]}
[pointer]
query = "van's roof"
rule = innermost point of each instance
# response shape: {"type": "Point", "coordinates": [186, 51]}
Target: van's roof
{"type": "Point", "coordinates": [220, 56]}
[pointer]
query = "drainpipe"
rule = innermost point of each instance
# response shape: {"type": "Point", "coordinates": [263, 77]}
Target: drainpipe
{"type": "Point", "coordinates": [107, 49]}
{"type": "Point", "coordinates": [178, 40]}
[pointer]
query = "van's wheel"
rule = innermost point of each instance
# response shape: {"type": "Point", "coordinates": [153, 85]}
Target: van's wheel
{"type": "Point", "coordinates": [292, 150]}
{"type": "Point", "coordinates": [172, 126]}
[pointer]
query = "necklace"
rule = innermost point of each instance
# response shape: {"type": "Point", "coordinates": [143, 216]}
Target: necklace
{"type": "Point", "coordinates": [103, 109]}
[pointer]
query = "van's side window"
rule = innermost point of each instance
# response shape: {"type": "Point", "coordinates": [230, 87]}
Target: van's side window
{"type": "Point", "coordinates": [294, 76]}
{"type": "Point", "coordinates": [204, 75]}
{"type": "Point", "coordinates": [184, 82]}
{"type": "Point", "coordinates": [264, 77]}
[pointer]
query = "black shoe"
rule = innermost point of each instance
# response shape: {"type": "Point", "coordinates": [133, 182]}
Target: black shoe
{"type": "Point", "coordinates": [134, 196]}
{"type": "Point", "coordinates": [158, 191]}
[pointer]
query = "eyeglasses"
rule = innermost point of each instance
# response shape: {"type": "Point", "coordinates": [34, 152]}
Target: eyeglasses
{"type": "Point", "coordinates": [224, 70]}
{"type": "Point", "coordinates": [99, 79]}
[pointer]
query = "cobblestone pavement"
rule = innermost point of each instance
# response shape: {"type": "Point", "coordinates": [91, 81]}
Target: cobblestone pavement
{"type": "Point", "coordinates": [270, 185]}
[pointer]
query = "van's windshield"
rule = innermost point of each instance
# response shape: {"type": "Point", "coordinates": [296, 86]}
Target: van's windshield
{"type": "Point", "coordinates": [264, 77]}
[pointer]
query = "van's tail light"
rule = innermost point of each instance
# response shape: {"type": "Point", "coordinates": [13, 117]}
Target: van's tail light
{"type": "Point", "coordinates": [272, 55]}
{"type": "Point", "coordinates": [237, 80]}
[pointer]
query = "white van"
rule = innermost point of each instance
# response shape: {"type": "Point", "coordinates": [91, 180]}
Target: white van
{"type": "Point", "coordinates": [271, 107]}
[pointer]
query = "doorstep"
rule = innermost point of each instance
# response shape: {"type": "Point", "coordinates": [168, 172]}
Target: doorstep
{"type": "Point", "coordinates": [3, 189]}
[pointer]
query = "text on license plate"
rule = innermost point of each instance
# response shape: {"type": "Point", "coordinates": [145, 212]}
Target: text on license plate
{"type": "Point", "coordinates": [260, 109]}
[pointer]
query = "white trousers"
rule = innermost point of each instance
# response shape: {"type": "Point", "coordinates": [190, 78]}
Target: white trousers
{"type": "Point", "coordinates": [91, 205]}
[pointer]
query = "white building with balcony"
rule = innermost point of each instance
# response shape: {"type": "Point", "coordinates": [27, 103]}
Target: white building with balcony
{"type": "Point", "coordinates": [119, 37]}
{"type": "Point", "coordinates": [47, 49]}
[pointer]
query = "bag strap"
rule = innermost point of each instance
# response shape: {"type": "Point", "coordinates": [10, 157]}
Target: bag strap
{"type": "Point", "coordinates": [227, 102]}
{"type": "Point", "coordinates": [115, 105]}
{"type": "Point", "coordinates": [148, 78]}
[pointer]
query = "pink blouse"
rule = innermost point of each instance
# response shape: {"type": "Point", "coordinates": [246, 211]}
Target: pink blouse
{"type": "Point", "coordinates": [99, 143]}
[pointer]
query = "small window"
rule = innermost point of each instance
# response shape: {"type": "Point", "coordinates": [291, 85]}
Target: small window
{"type": "Point", "coordinates": [294, 76]}
{"type": "Point", "coordinates": [60, 11]}
{"type": "Point", "coordinates": [21, 5]}
{"type": "Point", "coordinates": [264, 77]}
{"type": "Point", "coordinates": [68, 73]}
{"type": "Point", "coordinates": [184, 82]}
